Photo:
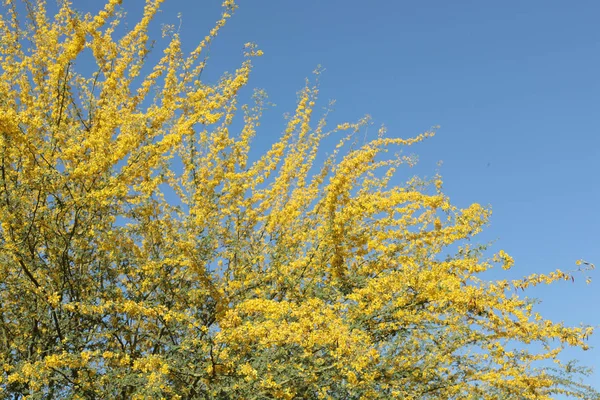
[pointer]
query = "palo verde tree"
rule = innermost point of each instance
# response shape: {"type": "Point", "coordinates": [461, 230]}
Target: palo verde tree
{"type": "Point", "coordinates": [144, 255]}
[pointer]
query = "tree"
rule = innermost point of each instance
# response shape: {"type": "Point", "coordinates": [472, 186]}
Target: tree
{"type": "Point", "coordinates": [143, 255]}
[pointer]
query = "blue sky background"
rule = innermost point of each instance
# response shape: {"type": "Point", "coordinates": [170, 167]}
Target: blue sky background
{"type": "Point", "coordinates": [513, 84]}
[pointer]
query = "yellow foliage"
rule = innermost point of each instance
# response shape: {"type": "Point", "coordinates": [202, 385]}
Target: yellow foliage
{"type": "Point", "coordinates": [143, 255]}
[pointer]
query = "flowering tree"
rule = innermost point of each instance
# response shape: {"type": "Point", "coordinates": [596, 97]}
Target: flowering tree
{"type": "Point", "coordinates": [142, 255]}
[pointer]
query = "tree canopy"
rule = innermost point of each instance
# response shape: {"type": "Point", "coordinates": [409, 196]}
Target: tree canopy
{"type": "Point", "coordinates": [147, 251]}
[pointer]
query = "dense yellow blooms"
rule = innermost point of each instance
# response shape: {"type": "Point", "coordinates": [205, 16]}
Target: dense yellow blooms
{"type": "Point", "coordinates": [144, 255]}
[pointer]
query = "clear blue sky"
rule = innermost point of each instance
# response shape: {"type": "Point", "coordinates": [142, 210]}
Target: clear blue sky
{"type": "Point", "coordinates": [513, 84]}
